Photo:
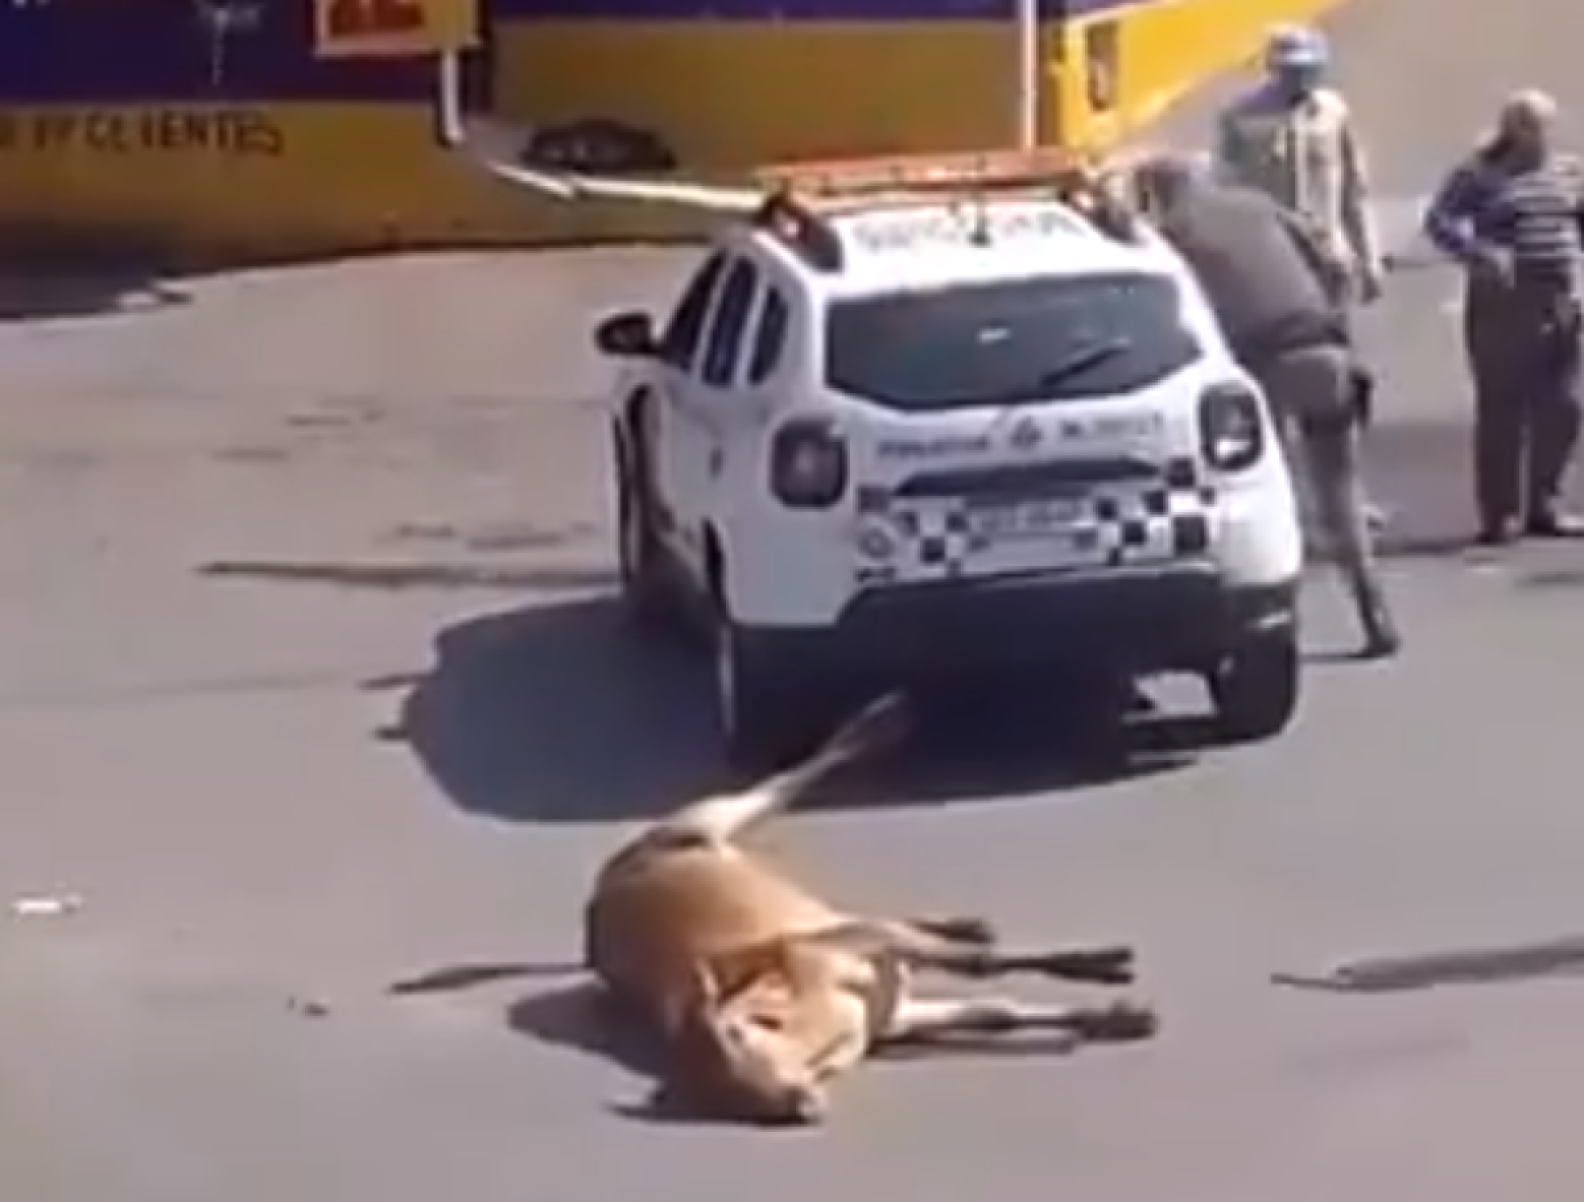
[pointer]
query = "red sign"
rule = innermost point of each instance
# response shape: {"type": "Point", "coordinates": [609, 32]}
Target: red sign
{"type": "Point", "coordinates": [393, 28]}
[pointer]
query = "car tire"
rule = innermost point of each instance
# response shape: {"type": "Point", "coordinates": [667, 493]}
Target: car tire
{"type": "Point", "coordinates": [765, 708]}
{"type": "Point", "coordinates": [1256, 689]}
{"type": "Point", "coordinates": [648, 594]}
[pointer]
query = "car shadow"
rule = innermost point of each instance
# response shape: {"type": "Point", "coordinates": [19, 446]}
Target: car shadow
{"type": "Point", "coordinates": [1010, 745]}
{"type": "Point", "coordinates": [552, 714]}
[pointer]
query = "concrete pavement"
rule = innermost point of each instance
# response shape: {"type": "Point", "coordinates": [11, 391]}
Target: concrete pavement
{"type": "Point", "coordinates": [253, 536]}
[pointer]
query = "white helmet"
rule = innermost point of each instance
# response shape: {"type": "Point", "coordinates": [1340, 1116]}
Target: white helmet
{"type": "Point", "coordinates": [1296, 48]}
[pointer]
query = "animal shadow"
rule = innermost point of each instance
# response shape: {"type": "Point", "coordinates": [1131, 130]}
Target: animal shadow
{"type": "Point", "coordinates": [455, 977]}
{"type": "Point", "coordinates": [976, 1047]}
{"type": "Point", "coordinates": [576, 1014]}
{"type": "Point", "coordinates": [580, 1016]}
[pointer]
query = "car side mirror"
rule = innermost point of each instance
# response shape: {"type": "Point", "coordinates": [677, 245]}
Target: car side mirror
{"type": "Point", "coordinates": [626, 336]}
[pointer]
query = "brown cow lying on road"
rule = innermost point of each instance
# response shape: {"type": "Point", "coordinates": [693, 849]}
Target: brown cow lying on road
{"type": "Point", "coordinates": [763, 992]}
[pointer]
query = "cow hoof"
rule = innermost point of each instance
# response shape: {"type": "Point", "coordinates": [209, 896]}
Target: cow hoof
{"type": "Point", "coordinates": [1125, 1022]}
{"type": "Point", "coordinates": [1097, 966]}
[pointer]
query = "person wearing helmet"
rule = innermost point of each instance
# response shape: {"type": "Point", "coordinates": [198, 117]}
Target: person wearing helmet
{"type": "Point", "coordinates": [1293, 139]}
{"type": "Point", "coordinates": [1513, 215]}
{"type": "Point", "coordinates": [1267, 276]}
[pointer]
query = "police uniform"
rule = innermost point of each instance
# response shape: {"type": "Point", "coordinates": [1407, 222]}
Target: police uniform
{"type": "Point", "coordinates": [1265, 272]}
{"type": "Point", "coordinates": [1518, 227]}
{"type": "Point", "coordinates": [1303, 154]}
{"type": "Point", "coordinates": [1292, 139]}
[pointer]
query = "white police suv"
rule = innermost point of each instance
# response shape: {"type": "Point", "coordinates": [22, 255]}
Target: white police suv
{"type": "Point", "coordinates": [938, 418]}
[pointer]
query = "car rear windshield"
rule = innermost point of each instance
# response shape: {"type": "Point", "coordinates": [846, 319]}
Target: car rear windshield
{"type": "Point", "coordinates": [1009, 342]}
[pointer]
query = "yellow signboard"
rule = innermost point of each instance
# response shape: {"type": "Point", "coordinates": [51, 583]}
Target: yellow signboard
{"type": "Point", "coordinates": [393, 28]}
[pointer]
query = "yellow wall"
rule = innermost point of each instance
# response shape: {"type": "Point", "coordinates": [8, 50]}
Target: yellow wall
{"type": "Point", "coordinates": [1166, 49]}
{"type": "Point", "coordinates": [318, 178]}
{"type": "Point", "coordinates": [727, 96]}
{"type": "Point", "coordinates": [306, 178]}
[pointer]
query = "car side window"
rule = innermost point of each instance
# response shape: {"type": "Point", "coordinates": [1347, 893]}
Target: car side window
{"type": "Point", "coordinates": [723, 347]}
{"type": "Point", "coordinates": [679, 345]}
{"type": "Point", "coordinates": [770, 338]}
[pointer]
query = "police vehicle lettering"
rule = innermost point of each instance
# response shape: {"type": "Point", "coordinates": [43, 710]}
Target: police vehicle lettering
{"type": "Point", "coordinates": [958, 227]}
{"type": "Point", "coordinates": [1032, 431]}
{"type": "Point", "coordinates": [1131, 427]}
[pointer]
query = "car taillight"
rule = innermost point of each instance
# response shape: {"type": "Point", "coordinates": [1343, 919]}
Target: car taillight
{"type": "Point", "coordinates": [808, 465]}
{"type": "Point", "coordinates": [1232, 430]}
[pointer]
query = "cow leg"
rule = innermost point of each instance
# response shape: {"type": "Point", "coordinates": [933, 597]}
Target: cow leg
{"type": "Point", "coordinates": [967, 948]}
{"type": "Point", "coordinates": [726, 817]}
{"type": "Point", "coordinates": [1090, 965]}
{"type": "Point", "coordinates": [929, 1019]}
{"type": "Point", "coordinates": [960, 928]}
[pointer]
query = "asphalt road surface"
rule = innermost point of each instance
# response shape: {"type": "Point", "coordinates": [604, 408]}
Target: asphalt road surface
{"type": "Point", "coordinates": [311, 687]}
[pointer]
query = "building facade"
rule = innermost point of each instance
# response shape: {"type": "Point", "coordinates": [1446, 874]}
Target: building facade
{"type": "Point", "coordinates": [292, 126]}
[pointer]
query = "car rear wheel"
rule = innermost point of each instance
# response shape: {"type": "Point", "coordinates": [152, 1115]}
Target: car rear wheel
{"type": "Point", "coordinates": [646, 588]}
{"type": "Point", "coordinates": [765, 706]}
{"type": "Point", "coordinates": [1256, 689]}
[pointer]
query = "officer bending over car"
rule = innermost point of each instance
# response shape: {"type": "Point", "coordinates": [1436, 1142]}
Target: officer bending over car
{"type": "Point", "coordinates": [1513, 216]}
{"type": "Point", "coordinates": [1268, 277]}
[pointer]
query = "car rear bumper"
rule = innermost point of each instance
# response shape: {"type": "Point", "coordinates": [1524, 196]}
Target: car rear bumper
{"type": "Point", "coordinates": [1133, 620]}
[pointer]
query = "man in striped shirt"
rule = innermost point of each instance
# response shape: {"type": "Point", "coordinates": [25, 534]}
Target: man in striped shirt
{"type": "Point", "coordinates": [1513, 216]}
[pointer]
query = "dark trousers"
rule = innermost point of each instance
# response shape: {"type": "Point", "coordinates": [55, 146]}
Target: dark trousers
{"type": "Point", "coordinates": [1525, 351]}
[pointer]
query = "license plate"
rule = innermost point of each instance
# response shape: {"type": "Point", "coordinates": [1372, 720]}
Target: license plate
{"type": "Point", "coordinates": [1028, 520]}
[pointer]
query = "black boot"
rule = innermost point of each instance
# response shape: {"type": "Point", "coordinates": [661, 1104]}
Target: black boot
{"type": "Point", "coordinates": [1382, 639]}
